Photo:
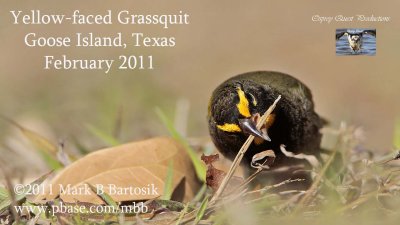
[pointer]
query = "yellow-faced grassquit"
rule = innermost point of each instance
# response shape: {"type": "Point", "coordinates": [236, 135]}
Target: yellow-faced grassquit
{"type": "Point", "coordinates": [237, 103]}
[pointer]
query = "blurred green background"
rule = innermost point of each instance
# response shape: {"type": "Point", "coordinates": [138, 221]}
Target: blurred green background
{"type": "Point", "coordinates": [224, 38]}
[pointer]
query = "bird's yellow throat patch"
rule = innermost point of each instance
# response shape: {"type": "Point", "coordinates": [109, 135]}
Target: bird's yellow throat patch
{"type": "Point", "coordinates": [229, 127]}
{"type": "Point", "coordinates": [243, 105]}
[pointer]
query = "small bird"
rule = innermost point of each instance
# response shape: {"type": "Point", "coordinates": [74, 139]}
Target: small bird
{"type": "Point", "coordinates": [355, 39]}
{"type": "Point", "coordinates": [236, 105]}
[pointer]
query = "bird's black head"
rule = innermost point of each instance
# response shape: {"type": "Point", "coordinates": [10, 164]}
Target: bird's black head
{"type": "Point", "coordinates": [236, 105]}
{"type": "Point", "coordinates": [234, 109]}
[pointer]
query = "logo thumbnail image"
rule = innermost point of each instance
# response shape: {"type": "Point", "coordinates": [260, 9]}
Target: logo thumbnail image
{"type": "Point", "coordinates": [355, 41]}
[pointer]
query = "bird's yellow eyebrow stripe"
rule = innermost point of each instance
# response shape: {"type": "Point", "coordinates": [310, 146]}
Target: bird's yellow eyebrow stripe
{"type": "Point", "coordinates": [229, 127]}
{"type": "Point", "coordinates": [243, 105]}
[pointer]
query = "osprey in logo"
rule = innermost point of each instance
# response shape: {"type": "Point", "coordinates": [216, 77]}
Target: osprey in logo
{"type": "Point", "coordinates": [355, 39]}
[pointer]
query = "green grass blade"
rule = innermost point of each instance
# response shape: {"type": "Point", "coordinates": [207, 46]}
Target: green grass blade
{"type": "Point", "coordinates": [199, 166]}
{"type": "Point", "coordinates": [41, 179]}
{"type": "Point", "coordinates": [104, 196]}
{"type": "Point", "coordinates": [182, 214]}
{"type": "Point", "coordinates": [44, 147]}
{"type": "Point", "coordinates": [5, 200]}
{"type": "Point", "coordinates": [200, 193]}
{"type": "Point", "coordinates": [168, 182]}
{"type": "Point", "coordinates": [5, 204]}
{"type": "Point", "coordinates": [36, 139]}
{"type": "Point", "coordinates": [171, 205]}
{"type": "Point", "coordinates": [3, 194]}
{"type": "Point", "coordinates": [201, 211]}
{"type": "Point", "coordinates": [107, 138]}
{"type": "Point", "coordinates": [81, 148]}
{"type": "Point", "coordinates": [51, 162]}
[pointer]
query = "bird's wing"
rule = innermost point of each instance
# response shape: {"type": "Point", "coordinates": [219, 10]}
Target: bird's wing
{"type": "Point", "coordinates": [340, 34]}
{"type": "Point", "coordinates": [370, 32]}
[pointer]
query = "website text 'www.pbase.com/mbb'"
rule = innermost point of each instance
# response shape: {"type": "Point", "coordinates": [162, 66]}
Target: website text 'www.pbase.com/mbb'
{"type": "Point", "coordinates": [82, 209]}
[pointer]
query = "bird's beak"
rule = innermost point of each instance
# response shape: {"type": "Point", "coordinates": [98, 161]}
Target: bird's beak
{"type": "Point", "coordinates": [248, 126]}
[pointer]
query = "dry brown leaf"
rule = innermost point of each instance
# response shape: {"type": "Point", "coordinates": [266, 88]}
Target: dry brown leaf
{"type": "Point", "coordinates": [133, 165]}
{"type": "Point", "coordinates": [215, 176]}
